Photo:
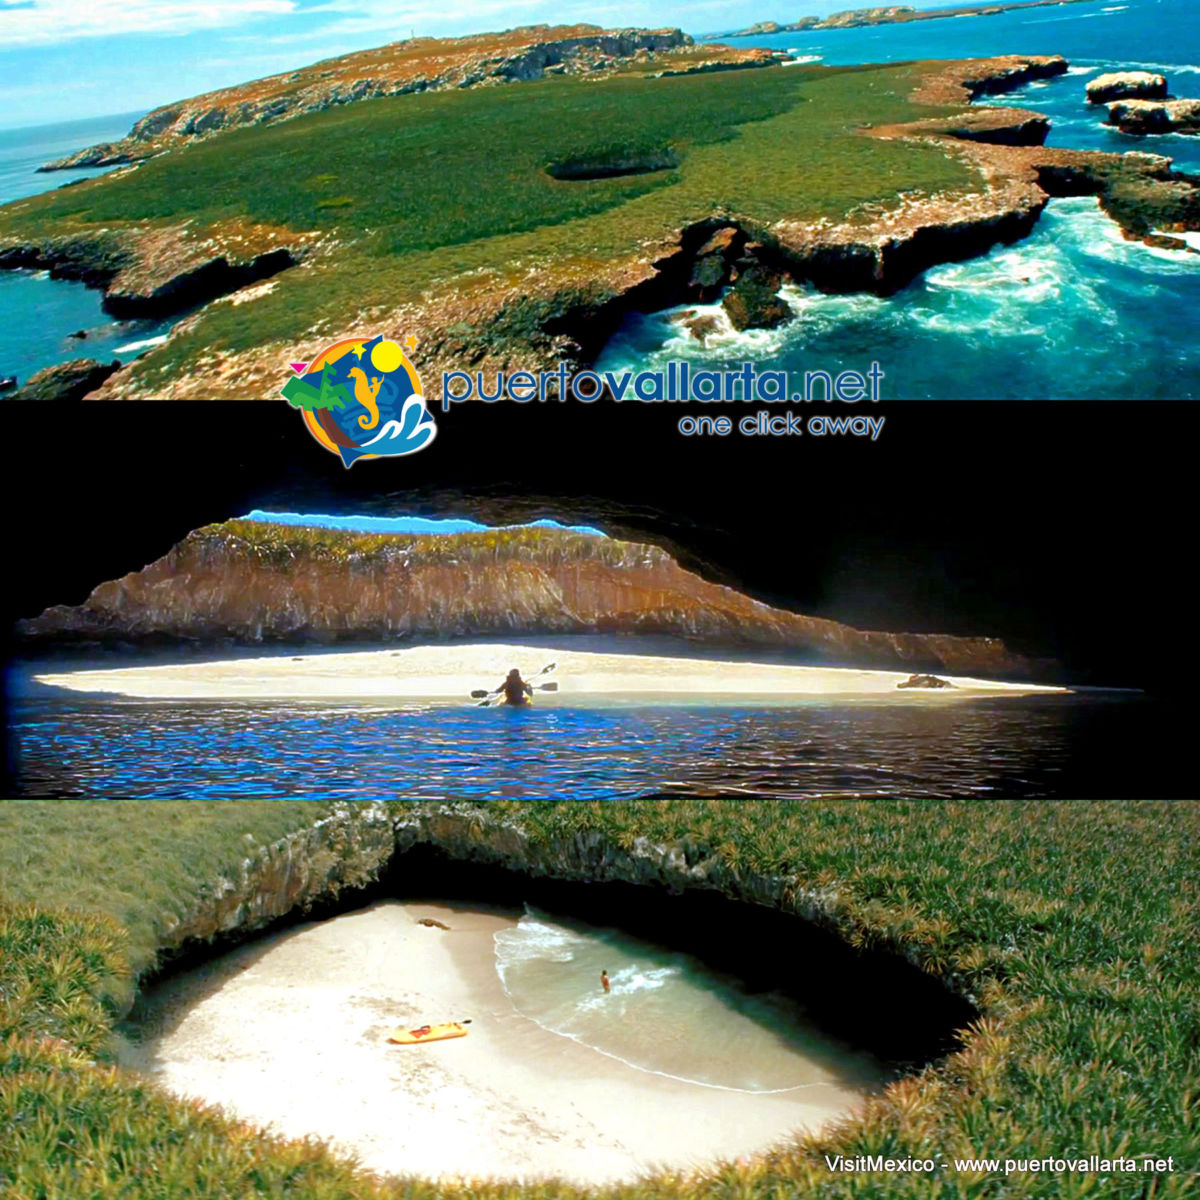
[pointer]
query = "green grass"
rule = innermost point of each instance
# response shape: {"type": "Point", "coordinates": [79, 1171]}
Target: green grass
{"type": "Point", "coordinates": [1073, 926]}
{"type": "Point", "coordinates": [281, 545]}
{"type": "Point", "coordinates": [421, 190]}
{"type": "Point", "coordinates": [141, 871]}
{"type": "Point", "coordinates": [444, 169]}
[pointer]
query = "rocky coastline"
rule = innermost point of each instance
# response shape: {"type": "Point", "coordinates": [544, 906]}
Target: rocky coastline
{"type": "Point", "coordinates": [248, 583]}
{"type": "Point", "coordinates": [548, 320]}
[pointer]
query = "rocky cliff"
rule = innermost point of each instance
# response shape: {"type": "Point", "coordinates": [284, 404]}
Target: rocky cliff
{"type": "Point", "coordinates": [363, 845]}
{"type": "Point", "coordinates": [253, 582]}
{"type": "Point", "coordinates": [404, 68]}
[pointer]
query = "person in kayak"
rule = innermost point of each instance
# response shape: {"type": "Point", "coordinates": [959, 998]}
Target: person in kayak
{"type": "Point", "coordinates": [516, 690]}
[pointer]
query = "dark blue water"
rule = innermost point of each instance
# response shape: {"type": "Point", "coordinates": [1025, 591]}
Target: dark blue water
{"type": "Point", "coordinates": [1097, 744]}
{"type": "Point", "coordinates": [1073, 312]}
{"type": "Point", "coordinates": [1144, 35]}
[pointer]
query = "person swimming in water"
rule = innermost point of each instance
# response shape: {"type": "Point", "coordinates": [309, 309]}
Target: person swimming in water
{"type": "Point", "coordinates": [516, 690]}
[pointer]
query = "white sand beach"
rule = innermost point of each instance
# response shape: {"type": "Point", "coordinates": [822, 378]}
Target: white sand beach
{"type": "Point", "coordinates": [452, 671]}
{"type": "Point", "coordinates": [290, 1033]}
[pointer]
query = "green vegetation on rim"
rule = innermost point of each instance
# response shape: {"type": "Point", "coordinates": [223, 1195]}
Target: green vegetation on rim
{"type": "Point", "coordinates": [280, 544]}
{"type": "Point", "coordinates": [422, 189]}
{"type": "Point", "coordinates": [1072, 925]}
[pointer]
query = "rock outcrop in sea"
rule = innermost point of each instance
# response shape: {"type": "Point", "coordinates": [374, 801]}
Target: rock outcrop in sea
{"type": "Point", "coordinates": [67, 381]}
{"type": "Point", "coordinates": [253, 582]}
{"type": "Point", "coordinates": [1127, 85]}
{"type": "Point", "coordinates": [1155, 116]}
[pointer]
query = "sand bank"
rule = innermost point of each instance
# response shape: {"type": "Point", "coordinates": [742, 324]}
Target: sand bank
{"type": "Point", "coordinates": [290, 1033]}
{"type": "Point", "coordinates": [451, 672]}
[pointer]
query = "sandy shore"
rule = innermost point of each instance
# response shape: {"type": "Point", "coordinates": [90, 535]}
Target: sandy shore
{"type": "Point", "coordinates": [446, 672]}
{"type": "Point", "coordinates": [289, 1032]}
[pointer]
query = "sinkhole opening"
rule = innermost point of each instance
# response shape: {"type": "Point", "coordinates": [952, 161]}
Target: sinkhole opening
{"type": "Point", "coordinates": [872, 1000]}
{"type": "Point", "coordinates": [612, 164]}
{"type": "Point", "coordinates": [724, 1028]}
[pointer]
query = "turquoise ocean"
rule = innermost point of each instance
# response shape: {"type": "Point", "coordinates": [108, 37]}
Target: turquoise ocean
{"type": "Point", "coordinates": [1073, 312]}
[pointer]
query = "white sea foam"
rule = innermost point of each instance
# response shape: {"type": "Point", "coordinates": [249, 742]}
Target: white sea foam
{"type": "Point", "coordinates": [1189, 237]}
{"type": "Point", "coordinates": [144, 344]}
{"type": "Point", "coordinates": [803, 58]}
{"type": "Point", "coordinates": [1155, 68]}
{"type": "Point", "coordinates": [660, 1011]}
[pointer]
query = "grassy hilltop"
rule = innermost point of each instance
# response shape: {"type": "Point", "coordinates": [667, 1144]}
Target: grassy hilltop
{"type": "Point", "coordinates": [1072, 926]}
{"type": "Point", "coordinates": [421, 204]}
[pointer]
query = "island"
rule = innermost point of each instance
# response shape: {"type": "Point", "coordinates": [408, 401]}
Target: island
{"type": "Point", "coordinates": [888, 14]}
{"type": "Point", "coordinates": [646, 172]}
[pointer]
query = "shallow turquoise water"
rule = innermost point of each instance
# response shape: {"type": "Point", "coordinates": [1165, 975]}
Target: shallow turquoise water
{"type": "Point", "coordinates": [666, 1012]}
{"type": "Point", "coordinates": [39, 315]}
{"type": "Point", "coordinates": [1072, 312]}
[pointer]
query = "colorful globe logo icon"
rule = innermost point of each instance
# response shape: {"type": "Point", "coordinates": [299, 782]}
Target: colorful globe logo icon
{"type": "Point", "coordinates": [362, 398]}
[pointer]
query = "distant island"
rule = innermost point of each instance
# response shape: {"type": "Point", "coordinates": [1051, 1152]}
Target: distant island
{"type": "Point", "coordinates": [889, 14]}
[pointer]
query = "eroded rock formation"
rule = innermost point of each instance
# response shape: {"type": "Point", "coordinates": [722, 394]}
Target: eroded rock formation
{"type": "Point", "coordinates": [550, 316]}
{"type": "Point", "coordinates": [161, 271]}
{"type": "Point", "coordinates": [1155, 116]}
{"type": "Point", "coordinates": [253, 582]}
{"type": "Point", "coordinates": [1127, 85]}
{"type": "Point", "coordinates": [357, 844]}
{"type": "Point", "coordinates": [67, 381]}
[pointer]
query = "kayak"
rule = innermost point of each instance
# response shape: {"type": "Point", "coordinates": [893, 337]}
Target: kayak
{"type": "Point", "coordinates": [428, 1033]}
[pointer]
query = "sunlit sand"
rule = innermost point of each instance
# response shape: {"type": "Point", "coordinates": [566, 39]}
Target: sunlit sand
{"type": "Point", "coordinates": [451, 672]}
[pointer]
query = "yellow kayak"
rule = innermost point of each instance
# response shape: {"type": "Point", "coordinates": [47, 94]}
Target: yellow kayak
{"type": "Point", "coordinates": [428, 1033]}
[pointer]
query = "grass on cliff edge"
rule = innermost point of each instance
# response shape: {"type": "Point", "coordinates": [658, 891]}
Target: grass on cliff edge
{"type": "Point", "coordinates": [1073, 926]}
{"type": "Point", "coordinates": [281, 545]}
{"type": "Point", "coordinates": [419, 190]}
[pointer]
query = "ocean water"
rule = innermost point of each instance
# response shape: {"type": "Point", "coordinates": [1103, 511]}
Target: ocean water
{"type": "Point", "coordinates": [1102, 744]}
{"type": "Point", "coordinates": [663, 1009]}
{"type": "Point", "coordinates": [1142, 35]}
{"type": "Point", "coordinates": [39, 313]}
{"type": "Point", "coordinates": [1073, 312]}
{"type": "Point", "coordinates": [23, 150]}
